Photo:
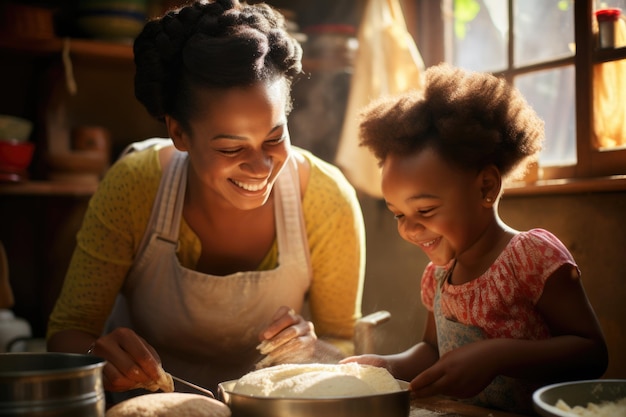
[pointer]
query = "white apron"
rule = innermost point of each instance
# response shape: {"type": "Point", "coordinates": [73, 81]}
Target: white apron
{"type": "Point", "coordinates": [505, 393]}
{"type": "Point", "coordinates": [205, 328]}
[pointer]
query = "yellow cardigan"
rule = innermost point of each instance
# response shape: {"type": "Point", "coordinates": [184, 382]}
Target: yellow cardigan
{"type": "Point", "coordinates": [117, 216]}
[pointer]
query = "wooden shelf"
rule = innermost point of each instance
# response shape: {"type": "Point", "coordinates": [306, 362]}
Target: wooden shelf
{"type": "Point", "coordinates": [77, 47]}
{"type": "Point", "coordinates": [614, 183]}
{"type": "Point", "coordinates": [49, 188]}
{"type": "Point", "coordinates": [605, 55]}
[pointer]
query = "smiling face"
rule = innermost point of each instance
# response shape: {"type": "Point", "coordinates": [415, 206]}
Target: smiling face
{"type": "Point", "coordinates": [438, 207]}
{"type": "Point", "coordinates": [238, 143]}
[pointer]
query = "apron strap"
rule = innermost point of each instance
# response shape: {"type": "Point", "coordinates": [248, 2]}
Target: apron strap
{"type": "Point", "coordinates": [288, 197]}
{"type": "Point", "coordinates": [161, 223]}
{"type": "Point", "coordinates": [172, 192]}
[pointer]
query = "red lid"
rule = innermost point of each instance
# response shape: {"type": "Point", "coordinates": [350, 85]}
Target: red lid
{"type": "Point", "coordinates": [604, 15]}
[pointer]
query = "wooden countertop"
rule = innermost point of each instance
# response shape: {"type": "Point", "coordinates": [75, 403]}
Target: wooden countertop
{"type": "Point", "coordinates": [443, 407]}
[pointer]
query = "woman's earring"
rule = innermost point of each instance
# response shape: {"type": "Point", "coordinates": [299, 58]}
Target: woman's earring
{"type": "Point", "coordinates": [489, 199]}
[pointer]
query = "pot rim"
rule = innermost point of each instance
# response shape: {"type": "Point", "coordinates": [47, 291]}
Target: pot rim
{"type": "Point", "coordinates": [77, 363]}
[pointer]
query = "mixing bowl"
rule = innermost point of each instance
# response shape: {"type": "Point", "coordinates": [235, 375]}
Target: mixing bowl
{"type": "Point", "coordinates": [577, 393]}
{"type": "Point", "coordinates": [394, 404]}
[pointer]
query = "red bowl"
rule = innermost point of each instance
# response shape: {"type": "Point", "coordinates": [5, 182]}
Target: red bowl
{"type": "Point", "coordinates": [15, 156]}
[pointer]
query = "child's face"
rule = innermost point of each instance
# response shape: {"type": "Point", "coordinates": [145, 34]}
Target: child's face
{"type": "Point", "coordinates": [438, 207]}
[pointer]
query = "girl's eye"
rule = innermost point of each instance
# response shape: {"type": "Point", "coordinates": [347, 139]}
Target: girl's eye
{"type": "Point", "coordinates": [425, 211]}
{"type": "Point", "coordinates": [422, 212]}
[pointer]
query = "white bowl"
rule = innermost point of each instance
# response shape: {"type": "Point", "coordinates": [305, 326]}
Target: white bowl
{"type": "Point", "coordinates": [15, 128]}
{"type": "Point", "coordinates": [576, 393]}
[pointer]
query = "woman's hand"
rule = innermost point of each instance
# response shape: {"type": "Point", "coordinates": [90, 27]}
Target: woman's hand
{"type": "Point", "coordinates": [131, 361]}
{"type": "Point", "coordinates": [290, 338]}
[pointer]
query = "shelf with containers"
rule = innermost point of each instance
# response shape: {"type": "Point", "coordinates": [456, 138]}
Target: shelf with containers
{"type": "Point", "coordinates": [73, 83]}
{"type": "Point", "coordinates": [61, 85]}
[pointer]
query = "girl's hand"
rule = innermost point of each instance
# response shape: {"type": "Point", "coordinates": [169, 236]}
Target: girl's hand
{"type": "Point", "coordinates": [131, 361]}
{"type": "Point", "coordinates": [462, 373]}
{"type": "Point", "coordinates": [292, 339]}
{"type": "Point", "coordinates": [368, 359]}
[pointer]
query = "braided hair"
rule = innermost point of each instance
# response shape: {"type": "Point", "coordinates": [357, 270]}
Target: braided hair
{"type": "Point", "coordinates": [471, 119]}
{"type": "Point", "coordinates": [217, 44]}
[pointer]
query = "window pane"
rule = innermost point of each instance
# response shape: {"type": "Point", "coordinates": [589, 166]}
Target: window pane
{"type": "Point", "coordinates": [552, 95]}
{"type": "Point", "coordinates": [480, 34]}
{"type": "Point", "coordinates": [603, 4]}
{"type": "Point", "coordinates": [544, 30]}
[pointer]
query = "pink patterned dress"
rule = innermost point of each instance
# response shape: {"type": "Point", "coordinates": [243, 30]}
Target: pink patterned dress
{"type": "Point", "coordinates": [498, 304]}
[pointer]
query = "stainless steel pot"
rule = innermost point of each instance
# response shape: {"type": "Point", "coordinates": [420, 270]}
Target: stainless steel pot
{"type": "Point", "coordinates": [51, 385]}
{"type": "Point", "coordinates": [395, 404]}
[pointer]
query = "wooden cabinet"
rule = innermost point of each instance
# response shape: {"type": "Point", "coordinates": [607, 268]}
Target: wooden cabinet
{"type": "Point", "coordinates": [40, 217]}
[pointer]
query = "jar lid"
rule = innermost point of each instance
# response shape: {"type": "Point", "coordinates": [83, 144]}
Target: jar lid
{"type": "Point", "coordinates": [611, 14]}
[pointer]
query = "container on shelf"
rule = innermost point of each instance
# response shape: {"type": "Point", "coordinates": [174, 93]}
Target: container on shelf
{"type": "Point", "coordinates": [15, 158]}
{"type": "Point", "coordinates": [11, 329]}
{"type": "Point", "coordinates": [112, 20]}
{"type": "Point", "coordinates": [26, 21]}
{"type": "Point", "coordinates": [608, 20]}
{"type": "Point", "coordinates": [334, 44]}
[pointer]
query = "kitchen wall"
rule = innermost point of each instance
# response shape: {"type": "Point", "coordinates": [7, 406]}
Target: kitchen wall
{"type": "Point", "coordinates": [591, 225]}
{"type": "Point", "coordinates": [41, 229]}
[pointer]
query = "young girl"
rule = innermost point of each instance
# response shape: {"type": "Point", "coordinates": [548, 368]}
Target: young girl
{"type": "Point", "coordinates": [506, 309]}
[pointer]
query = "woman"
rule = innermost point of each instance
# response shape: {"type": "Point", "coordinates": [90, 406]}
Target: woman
{"type": "Point", "coordinates": [214, 243]}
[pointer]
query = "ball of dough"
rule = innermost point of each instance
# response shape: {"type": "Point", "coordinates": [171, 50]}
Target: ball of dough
{"type": "Point", "coordinates": [170, 404]}
{"type": "Point", "coordinates": [317, 381]}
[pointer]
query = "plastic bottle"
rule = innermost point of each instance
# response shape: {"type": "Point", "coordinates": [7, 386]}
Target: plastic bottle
{"type": "Point", "coordinates": [12, 328]}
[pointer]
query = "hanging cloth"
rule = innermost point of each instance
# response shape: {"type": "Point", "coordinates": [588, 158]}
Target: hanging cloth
{"type": "Point", "coordinates": [609, 97]}
{"type": "Point", "coordinates": [387, 63]}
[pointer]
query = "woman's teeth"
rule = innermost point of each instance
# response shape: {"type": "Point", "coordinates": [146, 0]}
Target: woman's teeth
{"type": "Point", "coordinates": [251, 187]}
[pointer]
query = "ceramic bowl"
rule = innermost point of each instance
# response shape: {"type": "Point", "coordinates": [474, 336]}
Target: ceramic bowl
{"type": "Point", "coordinates": [15, 156]}
{"type": "Point", "coordinates": [128, 5]}
{"type": "Point", "coordinates": [14, 128]}
{"type": "Point", "coordinates": [577, 393]}
{"type": "Point", "coordinates": [112, 25]}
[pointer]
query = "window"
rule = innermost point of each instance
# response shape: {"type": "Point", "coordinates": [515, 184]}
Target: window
{"type": "Point", "coordinates": [549, 50]}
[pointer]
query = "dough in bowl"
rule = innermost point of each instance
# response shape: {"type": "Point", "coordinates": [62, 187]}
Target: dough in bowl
{"type": "Point", "coordinates": [317, 381]}
{"type": "Point", "coordinates": [170, 404]}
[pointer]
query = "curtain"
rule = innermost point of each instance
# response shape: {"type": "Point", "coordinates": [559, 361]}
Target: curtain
{"type": "Point", "coordinates": [387, 62]}
{"type": "Point", "coordinates": [609, 97]}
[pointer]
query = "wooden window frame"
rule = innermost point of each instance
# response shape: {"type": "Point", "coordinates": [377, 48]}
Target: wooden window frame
{"type": "Point", "coordinates": [595, 170]}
